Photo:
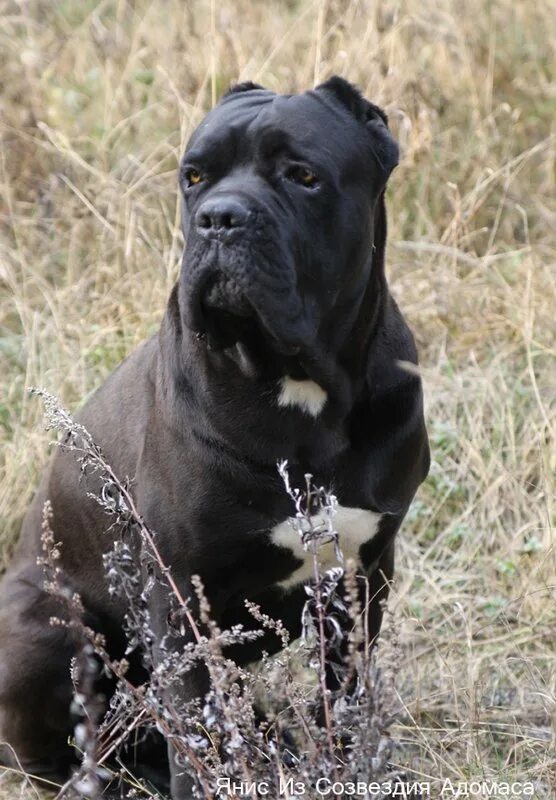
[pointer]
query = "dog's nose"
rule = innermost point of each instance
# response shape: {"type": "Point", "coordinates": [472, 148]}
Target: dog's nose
{"type": "Point", "coordinates": [220, 216]}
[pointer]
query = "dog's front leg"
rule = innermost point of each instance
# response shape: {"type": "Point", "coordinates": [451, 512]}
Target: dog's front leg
{"type": "Point", "coordinates": [377, 591]}
{"type": "Point", "coordinates": [171, 637]}
{"type": "Point", "coordinates": [373, 589]}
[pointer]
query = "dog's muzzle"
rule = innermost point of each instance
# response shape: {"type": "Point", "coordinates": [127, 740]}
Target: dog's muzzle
{"type": "Point", "coordinates": [240, 281]}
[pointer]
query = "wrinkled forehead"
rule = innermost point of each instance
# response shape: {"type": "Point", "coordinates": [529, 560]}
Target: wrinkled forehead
{"type": "Point", "coordinates": [311, 124]}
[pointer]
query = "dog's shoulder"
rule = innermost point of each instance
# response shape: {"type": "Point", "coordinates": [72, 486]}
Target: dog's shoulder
{"type": "Point", "coordinates": [392, 353]}
{"type": "Point", "coordinates": [118, 406]}
{"type": "Point", "coordinates": [115, 415]}
{"type": "Point", "coordinates": [388, 421]}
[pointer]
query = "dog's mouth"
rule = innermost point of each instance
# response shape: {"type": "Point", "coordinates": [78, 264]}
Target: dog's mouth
{"type": "Point", "coordinates": [252, 314]}
{"type": "Point", "coordinates": [266, 334]}
{"type": "Point", "coordinates": [229, 320]}
{"type": "Point", "coordinates": [222, 294]}
{"type": "Point", "coordinates": [225, 315]}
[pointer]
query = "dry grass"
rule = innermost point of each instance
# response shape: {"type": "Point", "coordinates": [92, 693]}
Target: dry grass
{"type": "Point", "coordinates": [97, 99]}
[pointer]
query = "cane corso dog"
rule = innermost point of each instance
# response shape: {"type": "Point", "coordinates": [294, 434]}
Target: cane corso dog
{"type": "Point", "coordinates": [280, 341]}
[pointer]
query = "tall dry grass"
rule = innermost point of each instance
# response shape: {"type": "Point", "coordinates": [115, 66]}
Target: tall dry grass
{"type": "Point", "coordinates": [97, 99]}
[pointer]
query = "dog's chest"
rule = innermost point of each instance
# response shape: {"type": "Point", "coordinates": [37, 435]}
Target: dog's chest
{"type": "Point", "coordinates": [355, 527]}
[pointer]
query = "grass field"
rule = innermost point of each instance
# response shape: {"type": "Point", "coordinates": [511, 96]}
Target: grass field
{"type": "Point", "coordinates": [97, 98]}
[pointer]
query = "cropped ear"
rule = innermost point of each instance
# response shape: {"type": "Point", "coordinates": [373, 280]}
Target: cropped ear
{"type": "Point", "coordinates": [387, 151]}
{"type": "Point", "coordinates": [246, 86]}
{"type": "Point", "coordinates": [384, 146]}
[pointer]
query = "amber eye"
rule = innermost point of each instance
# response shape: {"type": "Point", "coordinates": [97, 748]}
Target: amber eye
{"type": "Point", "coordinates": [303, 176]}
{"type": "Point", "coordinates": [193, 176]}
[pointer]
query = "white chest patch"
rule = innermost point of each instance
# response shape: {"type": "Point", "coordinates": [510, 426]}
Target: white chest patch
{"type": "Point", "coordinates": [307, 395]}
{"type": "Point", "coordinates": [355, 526]}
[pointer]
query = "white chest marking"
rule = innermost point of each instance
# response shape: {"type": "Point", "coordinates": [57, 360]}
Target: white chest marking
{"type": "Point", "coordinates": [355, 526]}
{"type": "Point", "coordinates": [308, 395]}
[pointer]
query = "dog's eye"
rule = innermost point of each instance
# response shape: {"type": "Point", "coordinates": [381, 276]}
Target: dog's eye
{"type": "Point", "coordinates": [303, 176]}
{"type": "Point", "coordinates": [193, 176]}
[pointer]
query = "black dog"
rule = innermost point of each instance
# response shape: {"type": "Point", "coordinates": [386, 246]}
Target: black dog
{"type": "Point", "coordinates": [280, 341]}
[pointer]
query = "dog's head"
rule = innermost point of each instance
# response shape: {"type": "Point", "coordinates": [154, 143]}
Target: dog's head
{"type": "Point", "coordinates": [279, 213]}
